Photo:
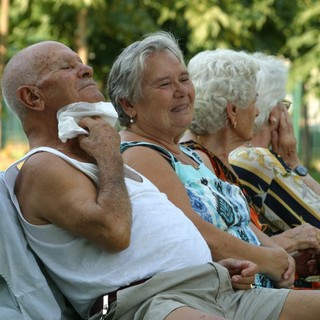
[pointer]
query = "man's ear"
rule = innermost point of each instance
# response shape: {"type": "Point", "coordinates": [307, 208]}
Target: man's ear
{"type": "Point", "coordinates": [30, 97]}
{"type": "Point", "coordinates": [127, 107]}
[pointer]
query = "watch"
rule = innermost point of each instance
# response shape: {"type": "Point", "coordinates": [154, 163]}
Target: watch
{"type": "Point", "coordinates": [301, 170]}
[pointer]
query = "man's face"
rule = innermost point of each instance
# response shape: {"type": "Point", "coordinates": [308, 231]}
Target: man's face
{"type": "Point", "coordinates": [64, 79]}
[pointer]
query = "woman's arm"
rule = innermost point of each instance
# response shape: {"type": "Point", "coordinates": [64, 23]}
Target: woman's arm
{"type": "Point", "coordinates": [270, 261]}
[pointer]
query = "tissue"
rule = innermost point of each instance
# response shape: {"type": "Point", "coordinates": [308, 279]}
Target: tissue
{"type": "Point", "coordinates": [70, 115]}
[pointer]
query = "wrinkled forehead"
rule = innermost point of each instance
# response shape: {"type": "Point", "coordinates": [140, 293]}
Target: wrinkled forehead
{"type": "Point", "coordinates": [47, 56]}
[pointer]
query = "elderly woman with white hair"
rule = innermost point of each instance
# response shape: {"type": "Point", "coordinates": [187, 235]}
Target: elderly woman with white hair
{"type": "Point", "coordinates": [225, 83]}
{"type": "Point", "coordinates": [269, 166]}
{"type": "Point", "coordinates": [224, 116]}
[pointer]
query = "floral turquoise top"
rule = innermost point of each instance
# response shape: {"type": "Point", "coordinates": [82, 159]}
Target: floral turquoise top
{"type": "Point", "coordinates": [217, 202]}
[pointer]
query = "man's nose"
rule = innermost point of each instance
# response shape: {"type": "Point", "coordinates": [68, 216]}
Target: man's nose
{"type": "Point", "coordinates": [85, 71]}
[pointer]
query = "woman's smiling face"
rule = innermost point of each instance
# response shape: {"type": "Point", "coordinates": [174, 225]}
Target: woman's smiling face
{"type": "Point", "coordinates": [167, 102]}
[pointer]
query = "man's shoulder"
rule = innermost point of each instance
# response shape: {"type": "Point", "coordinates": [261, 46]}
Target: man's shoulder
{"type": "Point", "coordinates": [44, 169]}
{"type": "Point", "coordinates": [42, 162]}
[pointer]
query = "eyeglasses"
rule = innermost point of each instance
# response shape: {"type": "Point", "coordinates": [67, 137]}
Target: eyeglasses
{"type": "Point", "coordinates": [287, 103]}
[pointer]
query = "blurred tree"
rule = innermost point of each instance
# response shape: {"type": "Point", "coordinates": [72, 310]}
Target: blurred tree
{"type": "Point", "coordinates": [304, 46]}
{"type": "Point", "coordinates": [242, 25]}
{"type": "Point", "coordinates": [99, 29]}
{"type": "Point", "coordinates": [96, 29]}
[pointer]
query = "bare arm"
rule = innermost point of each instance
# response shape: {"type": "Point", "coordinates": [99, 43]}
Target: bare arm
{"type": "Point", "coordinates": [271, 261]}
{"type": "Point", "coordinates": [265, 240]}
{"type": "Point", "coordinates": [50, 190]}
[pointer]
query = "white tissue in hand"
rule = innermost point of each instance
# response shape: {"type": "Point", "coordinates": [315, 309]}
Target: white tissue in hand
{"type": "Point", "coordinates": [70, 115]}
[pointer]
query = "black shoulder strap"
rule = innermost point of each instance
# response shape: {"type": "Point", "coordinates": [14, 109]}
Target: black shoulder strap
{"type": "Point", "coordinates": [165, 153]}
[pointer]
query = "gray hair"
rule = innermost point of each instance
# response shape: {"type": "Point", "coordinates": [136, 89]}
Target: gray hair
{"type": "Point", "coordinates": [22, 69]}
{"type": "Point", "coordinates": [220, 76]}
{"type": "Point", "coordinates": [124, 81]}
{"type": "Point", "coordinates": [271, 85]}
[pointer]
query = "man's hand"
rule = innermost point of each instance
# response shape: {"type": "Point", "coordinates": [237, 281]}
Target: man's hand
{"type": "Point", "coordinates": [103, 141]}
{"type": "Point", "coordinates": [242, 273]}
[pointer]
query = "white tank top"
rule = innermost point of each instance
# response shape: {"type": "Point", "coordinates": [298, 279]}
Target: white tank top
{"type": "Point", "coordinates": [162, 239]}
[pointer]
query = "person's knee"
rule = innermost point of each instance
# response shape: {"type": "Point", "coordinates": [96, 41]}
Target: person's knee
{"type": "Point", "coordinates": [301, 305]}
{"type": "Point", "coordinates": [188, 313]}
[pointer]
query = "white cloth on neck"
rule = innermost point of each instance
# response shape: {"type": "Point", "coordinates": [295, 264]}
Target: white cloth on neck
{"type": "Point", "coordinates": [70, 115]}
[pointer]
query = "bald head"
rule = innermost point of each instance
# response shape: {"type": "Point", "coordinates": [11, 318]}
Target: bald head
{"type": "Point", "coordinates": [26, 68]}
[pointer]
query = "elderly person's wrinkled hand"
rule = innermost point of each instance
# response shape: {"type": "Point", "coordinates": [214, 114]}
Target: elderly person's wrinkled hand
{"type": "Point", "coordinates": [242, 273]}
{"type": "Point", "coordinates": [283, 140]}
{"type": "Point", "coordinates": [299, 238]}
{"type": "Point", "coordinates": [103, 141]}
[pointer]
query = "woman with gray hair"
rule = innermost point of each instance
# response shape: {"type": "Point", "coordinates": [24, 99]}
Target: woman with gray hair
{"type": "Point", "coordinates": [269, 166]}
{"type": "Point", "coordinates": [225, 84]}
{"type": "Point", "coordinates": [225, 112]}
{"type": "Point", "coordinates": [150, 87]}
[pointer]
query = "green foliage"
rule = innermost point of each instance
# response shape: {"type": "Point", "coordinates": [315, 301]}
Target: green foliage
{"type": "Point", "coordinates": [286, 27]}
{"type": "Point", "coordinates": [304, 46]}
{"type": "Point", "coordinates": [315, 174]}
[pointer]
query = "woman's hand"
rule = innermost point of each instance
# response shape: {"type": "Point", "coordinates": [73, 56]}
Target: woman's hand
{"type": "Point", "coordinates": [242, 273]}
{"type": "Point", "coordinates": [283, 141]}
{"type": "Point", "coordinates": [299, 238]}
{"type": "Point", "coordinates": [307, 263]}
{"type": "Point", "coordinates": [288, 276]}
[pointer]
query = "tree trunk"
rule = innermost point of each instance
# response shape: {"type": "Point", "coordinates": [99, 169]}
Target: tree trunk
{"type": "Point", "coordinates": [81, 35]}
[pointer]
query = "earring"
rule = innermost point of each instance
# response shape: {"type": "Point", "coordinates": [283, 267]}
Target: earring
{"type": "Point", "coordinates": [131, 119]}
{"type": "Point", "coordinates": [235, 124]}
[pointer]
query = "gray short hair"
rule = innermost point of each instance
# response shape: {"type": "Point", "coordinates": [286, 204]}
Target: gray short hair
{"type": "Point", "coordinates": [220, 76]}
{"type": "Point", "coordinates": [124, 81]}
{"type": "Point", "coordinates": [271, 85]}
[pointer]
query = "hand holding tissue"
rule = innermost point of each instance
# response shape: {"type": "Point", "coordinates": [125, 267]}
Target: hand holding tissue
{"type": "Point", "coordinates": [70, 115]}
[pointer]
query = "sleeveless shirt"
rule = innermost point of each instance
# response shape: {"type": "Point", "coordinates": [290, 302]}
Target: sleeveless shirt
{"type": "Point", "coordinates": [216, 201]}
{"type": "Point", "coordinates": [162, 239]}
